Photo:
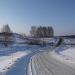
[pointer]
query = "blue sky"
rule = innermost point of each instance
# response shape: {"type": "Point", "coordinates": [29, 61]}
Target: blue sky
{"type": "Point", "coordinates": [22, 14]}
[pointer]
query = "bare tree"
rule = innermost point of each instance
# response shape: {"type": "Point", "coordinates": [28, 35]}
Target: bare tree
{"type": "Point", "coordinates": [33, 31]}
{"type": "Point", "coordinates": [6, 34]}
{"type": "Point", "coordinates": [50, 31]}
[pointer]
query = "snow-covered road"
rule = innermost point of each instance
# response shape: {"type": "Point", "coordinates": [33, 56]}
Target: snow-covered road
{"type": "Point", "coordinates": [45, 64]}
{"type": "Point", "coordinates": [21, 67]}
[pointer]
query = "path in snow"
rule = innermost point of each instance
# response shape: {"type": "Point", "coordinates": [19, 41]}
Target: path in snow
{"type": "Point", "coordinates": [45, 64]}
{"type": "Point", "coordinates": [21, 67]}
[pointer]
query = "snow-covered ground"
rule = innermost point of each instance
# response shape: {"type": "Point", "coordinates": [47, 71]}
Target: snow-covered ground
{"type": "Point", "coordinates": [69, 40]}
{"type": "Point", "coordinates": [69, 52]}
{"type": "Point", "coordinates": [6, 62]}
{"type": "Point", "coordinates": [67, 56]}
{"type": "Point", "coordinates": [59, 61]}
{"type": "Point", "coordinates": [32, 56]}
{"type": "Point", "coordinates": [66, 53]}
{"type": "Point", "coordinates": [45, 64]}
{"type": "Point", "coordinates": [9, 58]}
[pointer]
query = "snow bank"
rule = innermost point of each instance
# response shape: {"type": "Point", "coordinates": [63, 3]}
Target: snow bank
{"type": "Point", "coordinates": [69, 40]}
{"type": "Point", "coordinates": [6, 62]}
{"type": "Point", "coordinates": [30, 68]}
{"type": "Point", "coordinates": [69, 52]}
{"type": "Point", "coordinates": [67, 56]}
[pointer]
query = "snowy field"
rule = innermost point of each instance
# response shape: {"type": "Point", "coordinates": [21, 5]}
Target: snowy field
{"type": "Point", "coordinates": [69, 52]}
{"type": "Point", "coordinates": [66, 53]}
{"type": "Point", "coordinates": [23, 59]}
{"type": "Point", "coordinates": [67, 56]}
{"type": "Point", "coordinates": [59, 61]}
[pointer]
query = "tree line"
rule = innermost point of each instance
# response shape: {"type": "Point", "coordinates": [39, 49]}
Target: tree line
{"type": "Point", "coordinates": [42, 31]}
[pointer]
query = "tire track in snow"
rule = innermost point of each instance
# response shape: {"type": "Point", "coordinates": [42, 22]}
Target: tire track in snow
{"type": "Point", "coordinates": [44, 64]}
